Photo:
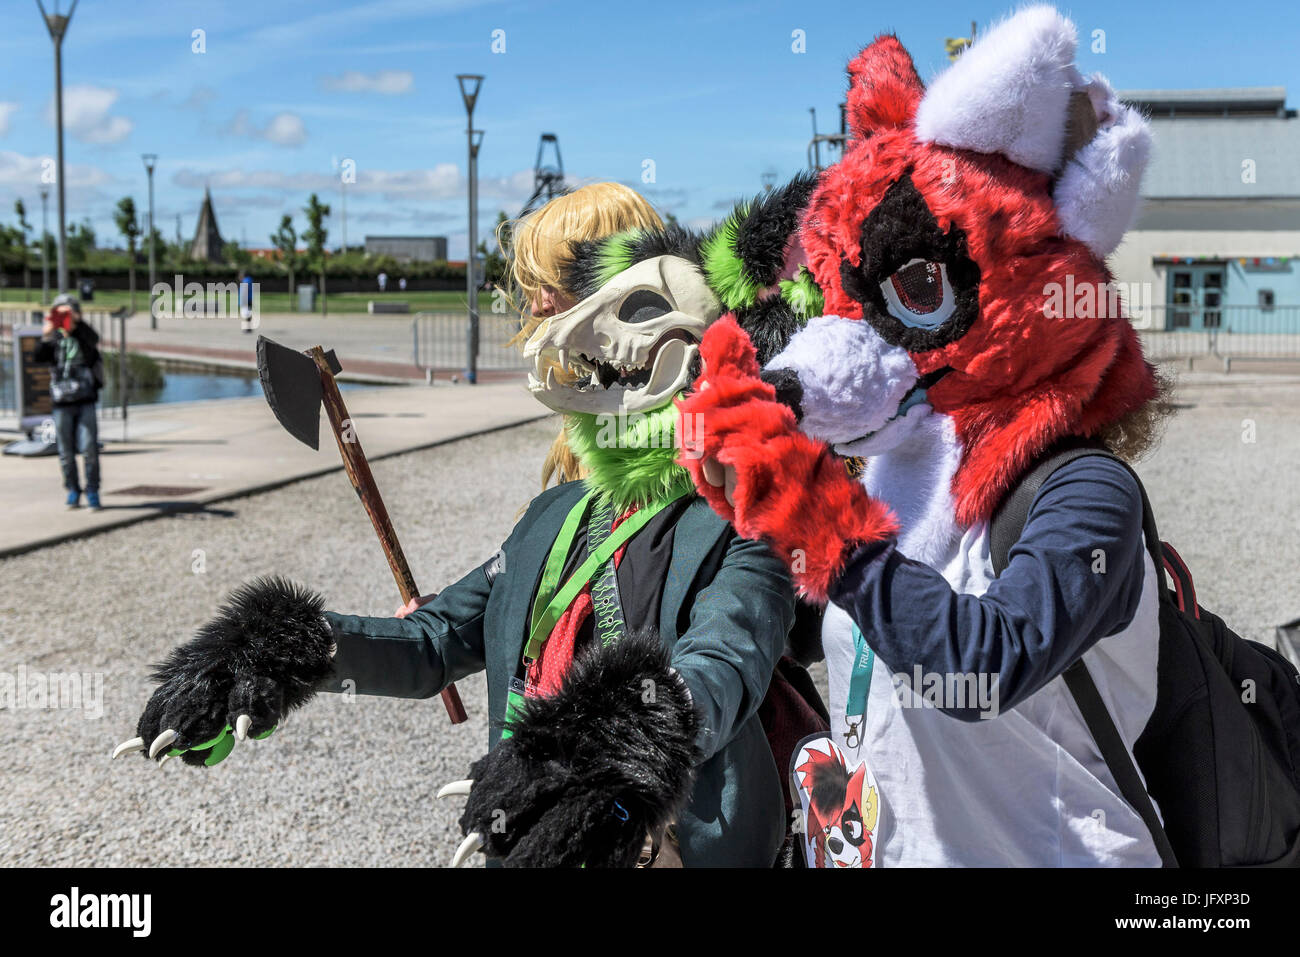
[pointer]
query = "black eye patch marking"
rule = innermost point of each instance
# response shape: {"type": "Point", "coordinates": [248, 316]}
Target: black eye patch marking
{"type": "Point", "coordinates": [851, 826]}
{"type": "Point", "coordinates": [642, 305]}
{"type": "Point", "coordinates": [931, 285]}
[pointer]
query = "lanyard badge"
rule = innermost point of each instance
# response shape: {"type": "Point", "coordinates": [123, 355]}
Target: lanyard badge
{"type": "Point", "coordinates": [841, 814]}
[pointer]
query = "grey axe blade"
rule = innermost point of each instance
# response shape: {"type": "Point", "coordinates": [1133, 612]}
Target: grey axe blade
{"type": "Point", "coordinates": [291, 383]}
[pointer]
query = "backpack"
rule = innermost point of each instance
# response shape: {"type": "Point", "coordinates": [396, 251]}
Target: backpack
{"type": "Point", "coordinates": [73, 380]}
{"type": "Point", "coordinates": [1221, 751]}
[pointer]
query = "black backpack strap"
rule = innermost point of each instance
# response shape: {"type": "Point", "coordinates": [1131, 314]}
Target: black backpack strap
{"type": "Point", "coordinates": [1008, 521]}
{"type": "Point", "coordinates": [1005, 528]}
{"type": "Point", "coordinates": [1009, 518]}
{"type": "Point", "coordinates": [1102, 727]}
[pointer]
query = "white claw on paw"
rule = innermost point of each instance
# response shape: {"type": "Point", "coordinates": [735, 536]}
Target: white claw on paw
{"type": "Point", "coordinates": [135, 744]}
{"type": "Point", "coordinates": [164, 759]}
{"type": "Point", "coordinates": [162, 741]}
{"type": "Point", "coordinates": [242, 724]}
{"type": "Point", "coordinates": [714, 473]}
{"type": "Point", "coordinates": [456, 789]}
{"type": "Point", "coordinates": [473, 842]}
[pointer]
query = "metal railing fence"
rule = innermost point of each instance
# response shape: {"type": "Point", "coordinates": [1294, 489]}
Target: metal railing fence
{"type": "Point", "coordinates": [438, 342]}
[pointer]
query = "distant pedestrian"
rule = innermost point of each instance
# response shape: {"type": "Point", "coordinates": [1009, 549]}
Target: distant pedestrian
{"type": "Point", "coordinates": [401, 284]}
{"type": "Point", "coordinates": [383, 281]}
{"type": "Point", "coordinates": [246, 319]}
{"type": "Point", "coordinates": [76, 374]}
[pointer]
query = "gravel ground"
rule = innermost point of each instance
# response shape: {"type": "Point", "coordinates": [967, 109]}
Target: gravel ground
{"type": "Point", "coordinates": [346, 782]}
{"type": "Point", "coordinates": [353, 783]}
{"type": "Point", "coordinates": [1225, 488]}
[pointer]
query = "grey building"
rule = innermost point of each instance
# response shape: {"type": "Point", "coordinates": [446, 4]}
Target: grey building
{"type": "Point", "coordinates": [408, 248]}
{"type": "Point", "coordinates": [1217, 241]}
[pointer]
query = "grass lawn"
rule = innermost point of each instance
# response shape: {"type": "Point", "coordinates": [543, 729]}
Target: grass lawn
{"type": "Point", "coordinates": [15, 297]}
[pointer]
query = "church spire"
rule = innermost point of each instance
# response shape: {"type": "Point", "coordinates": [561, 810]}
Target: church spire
{"type": "Point", "coordinates": [207, 243]}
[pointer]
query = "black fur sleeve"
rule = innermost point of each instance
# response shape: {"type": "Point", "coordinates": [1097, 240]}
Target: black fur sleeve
{"type": "Point", "coordinates": [590, 771]}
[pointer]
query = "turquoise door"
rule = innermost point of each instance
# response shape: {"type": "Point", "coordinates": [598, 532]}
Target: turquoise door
{"type": "Point", "coordinates": [1195, 296]}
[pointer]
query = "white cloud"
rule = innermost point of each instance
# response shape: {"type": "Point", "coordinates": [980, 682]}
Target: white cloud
{"type": "Point", "coordinates": [6, 110]}
{"type": "Point", "coordinates": [387, 82]}
{"type": "Point", "coordinates": [86, 114]}
{"type": "Point", "coordinates": [24, 172]}
{"type": "Point", "coordinates": [283, 129]}
{"type": "Point", "coordinates": [444, 181]}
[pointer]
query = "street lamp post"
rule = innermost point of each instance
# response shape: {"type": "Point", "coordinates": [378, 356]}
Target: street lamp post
{"type": "Point", "coordinates": [57, 24]}
{"type": "Point", "coordinates": [45, 258]}
{"type": "Point", "coordinates": [469, 87]}
{"type": "Point", "coordinates": [151, 160]}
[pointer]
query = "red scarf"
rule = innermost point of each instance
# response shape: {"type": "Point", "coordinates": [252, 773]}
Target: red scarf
{"type": "Point", "coordinates": [552, 663]}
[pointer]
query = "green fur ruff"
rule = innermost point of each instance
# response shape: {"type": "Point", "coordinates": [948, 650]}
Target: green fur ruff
{"type": "Point", "coordinates": [725, 270]}
{"type": "Point", "coordinates": [615, 256]}
{"type": "Point", "coordinates": [803, 295]}
{"type": "Point", "coordinates": [630, 459]}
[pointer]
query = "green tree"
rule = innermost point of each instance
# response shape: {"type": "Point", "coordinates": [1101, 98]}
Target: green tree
{"type": "Point", "coordinates": [236, 255]}
{"type": "Point", "coordinates": [285, 240]}
{"type": "Point", "coordinates": [79, 242]}
{"type": "Point", "coordinates": [51, 248]}
{"type": "Point", "coordinates": [496, 260]}
{"type": "Point", "coordinates": [25, 227]}
{"type": "Point", "coordinates": [315, 235]}
{"type": "Point", "coordinates": [129, 226]}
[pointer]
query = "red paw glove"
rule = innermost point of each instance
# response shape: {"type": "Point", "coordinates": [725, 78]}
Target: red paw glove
{"type": "Point", "coordinates": [751, 463]}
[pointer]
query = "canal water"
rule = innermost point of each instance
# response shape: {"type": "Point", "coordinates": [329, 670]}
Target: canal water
{"type": "Point", "coordinates": [187, 384]}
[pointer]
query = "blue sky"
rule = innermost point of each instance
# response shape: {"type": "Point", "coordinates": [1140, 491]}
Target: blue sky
{"type": "Point", "coordinates": [712, 93]}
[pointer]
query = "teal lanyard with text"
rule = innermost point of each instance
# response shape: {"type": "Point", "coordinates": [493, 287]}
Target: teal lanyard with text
{"type": "Point", "coordinates": [855, 710]}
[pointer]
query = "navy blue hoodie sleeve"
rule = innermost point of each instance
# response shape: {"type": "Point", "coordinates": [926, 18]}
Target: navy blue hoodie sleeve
{"type": "Point", "coordinates": [1074, 577]}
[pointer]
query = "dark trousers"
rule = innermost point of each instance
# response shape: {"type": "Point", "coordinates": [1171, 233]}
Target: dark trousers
{"type": "Point", "coordinates": [77, 430]}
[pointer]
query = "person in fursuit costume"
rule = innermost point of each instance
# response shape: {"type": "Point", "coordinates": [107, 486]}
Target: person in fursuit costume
{"type": "Point", "coordinates": [946, 363]}
{"type": "Point", "coordinates": [628, 634]}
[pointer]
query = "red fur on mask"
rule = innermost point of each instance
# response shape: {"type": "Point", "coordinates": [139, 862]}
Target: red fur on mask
{"type": "Point", "coordinates": [1020, 380]}
{"type": "Point", "coordinates": [791, 490]}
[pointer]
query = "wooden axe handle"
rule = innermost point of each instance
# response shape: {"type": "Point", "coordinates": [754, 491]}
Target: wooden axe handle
{"type": "Point", "coordinates": [358, 469]}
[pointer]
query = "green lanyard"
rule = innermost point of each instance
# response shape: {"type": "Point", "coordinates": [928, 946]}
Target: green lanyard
{"type": "Point", "coordinates": [859, 688]}
{"type": "Point", "coordinates": [549, 604]}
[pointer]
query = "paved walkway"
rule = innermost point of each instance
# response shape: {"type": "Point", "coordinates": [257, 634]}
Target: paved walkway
{"type": "Point", "coordinates": [371, 348]}
{"type": "Point", "coordinates": [187, 456]}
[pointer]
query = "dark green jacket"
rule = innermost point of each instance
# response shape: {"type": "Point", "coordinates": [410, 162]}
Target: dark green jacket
{"type": "Point", "coordinates": [726, 630]}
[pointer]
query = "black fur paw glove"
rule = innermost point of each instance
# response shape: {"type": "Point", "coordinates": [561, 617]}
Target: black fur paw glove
{"type": "Point", "coordinates": [587, 773]}
{"type": "Point", "coordinates": [257, 660]}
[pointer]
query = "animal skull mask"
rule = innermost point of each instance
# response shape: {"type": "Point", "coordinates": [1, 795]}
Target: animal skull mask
{"type": "Point", "coordinates": [628, 347]}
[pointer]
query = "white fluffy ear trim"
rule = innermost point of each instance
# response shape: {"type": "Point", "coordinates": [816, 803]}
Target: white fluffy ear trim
{"type": "Point", "coordinates": [1008, 93]}
{"type": "Point", "coordinates": [1096, 196]}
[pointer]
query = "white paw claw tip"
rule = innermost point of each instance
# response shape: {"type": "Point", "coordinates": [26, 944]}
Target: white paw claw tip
{"type": "Point", "coordinates": [126, 747]}
{"type": "Point", "coordinates": [456, 789]}
{"type": "Point", "coordinates": [242, 724]}
{"type": "Point", "coordinates": [162, 741]}
{"type": "Point", "coordinates": [473, 842]}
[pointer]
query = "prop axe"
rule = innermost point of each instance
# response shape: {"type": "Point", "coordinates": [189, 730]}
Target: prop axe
{"type": "Point", "coordinates": [296, 384]}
